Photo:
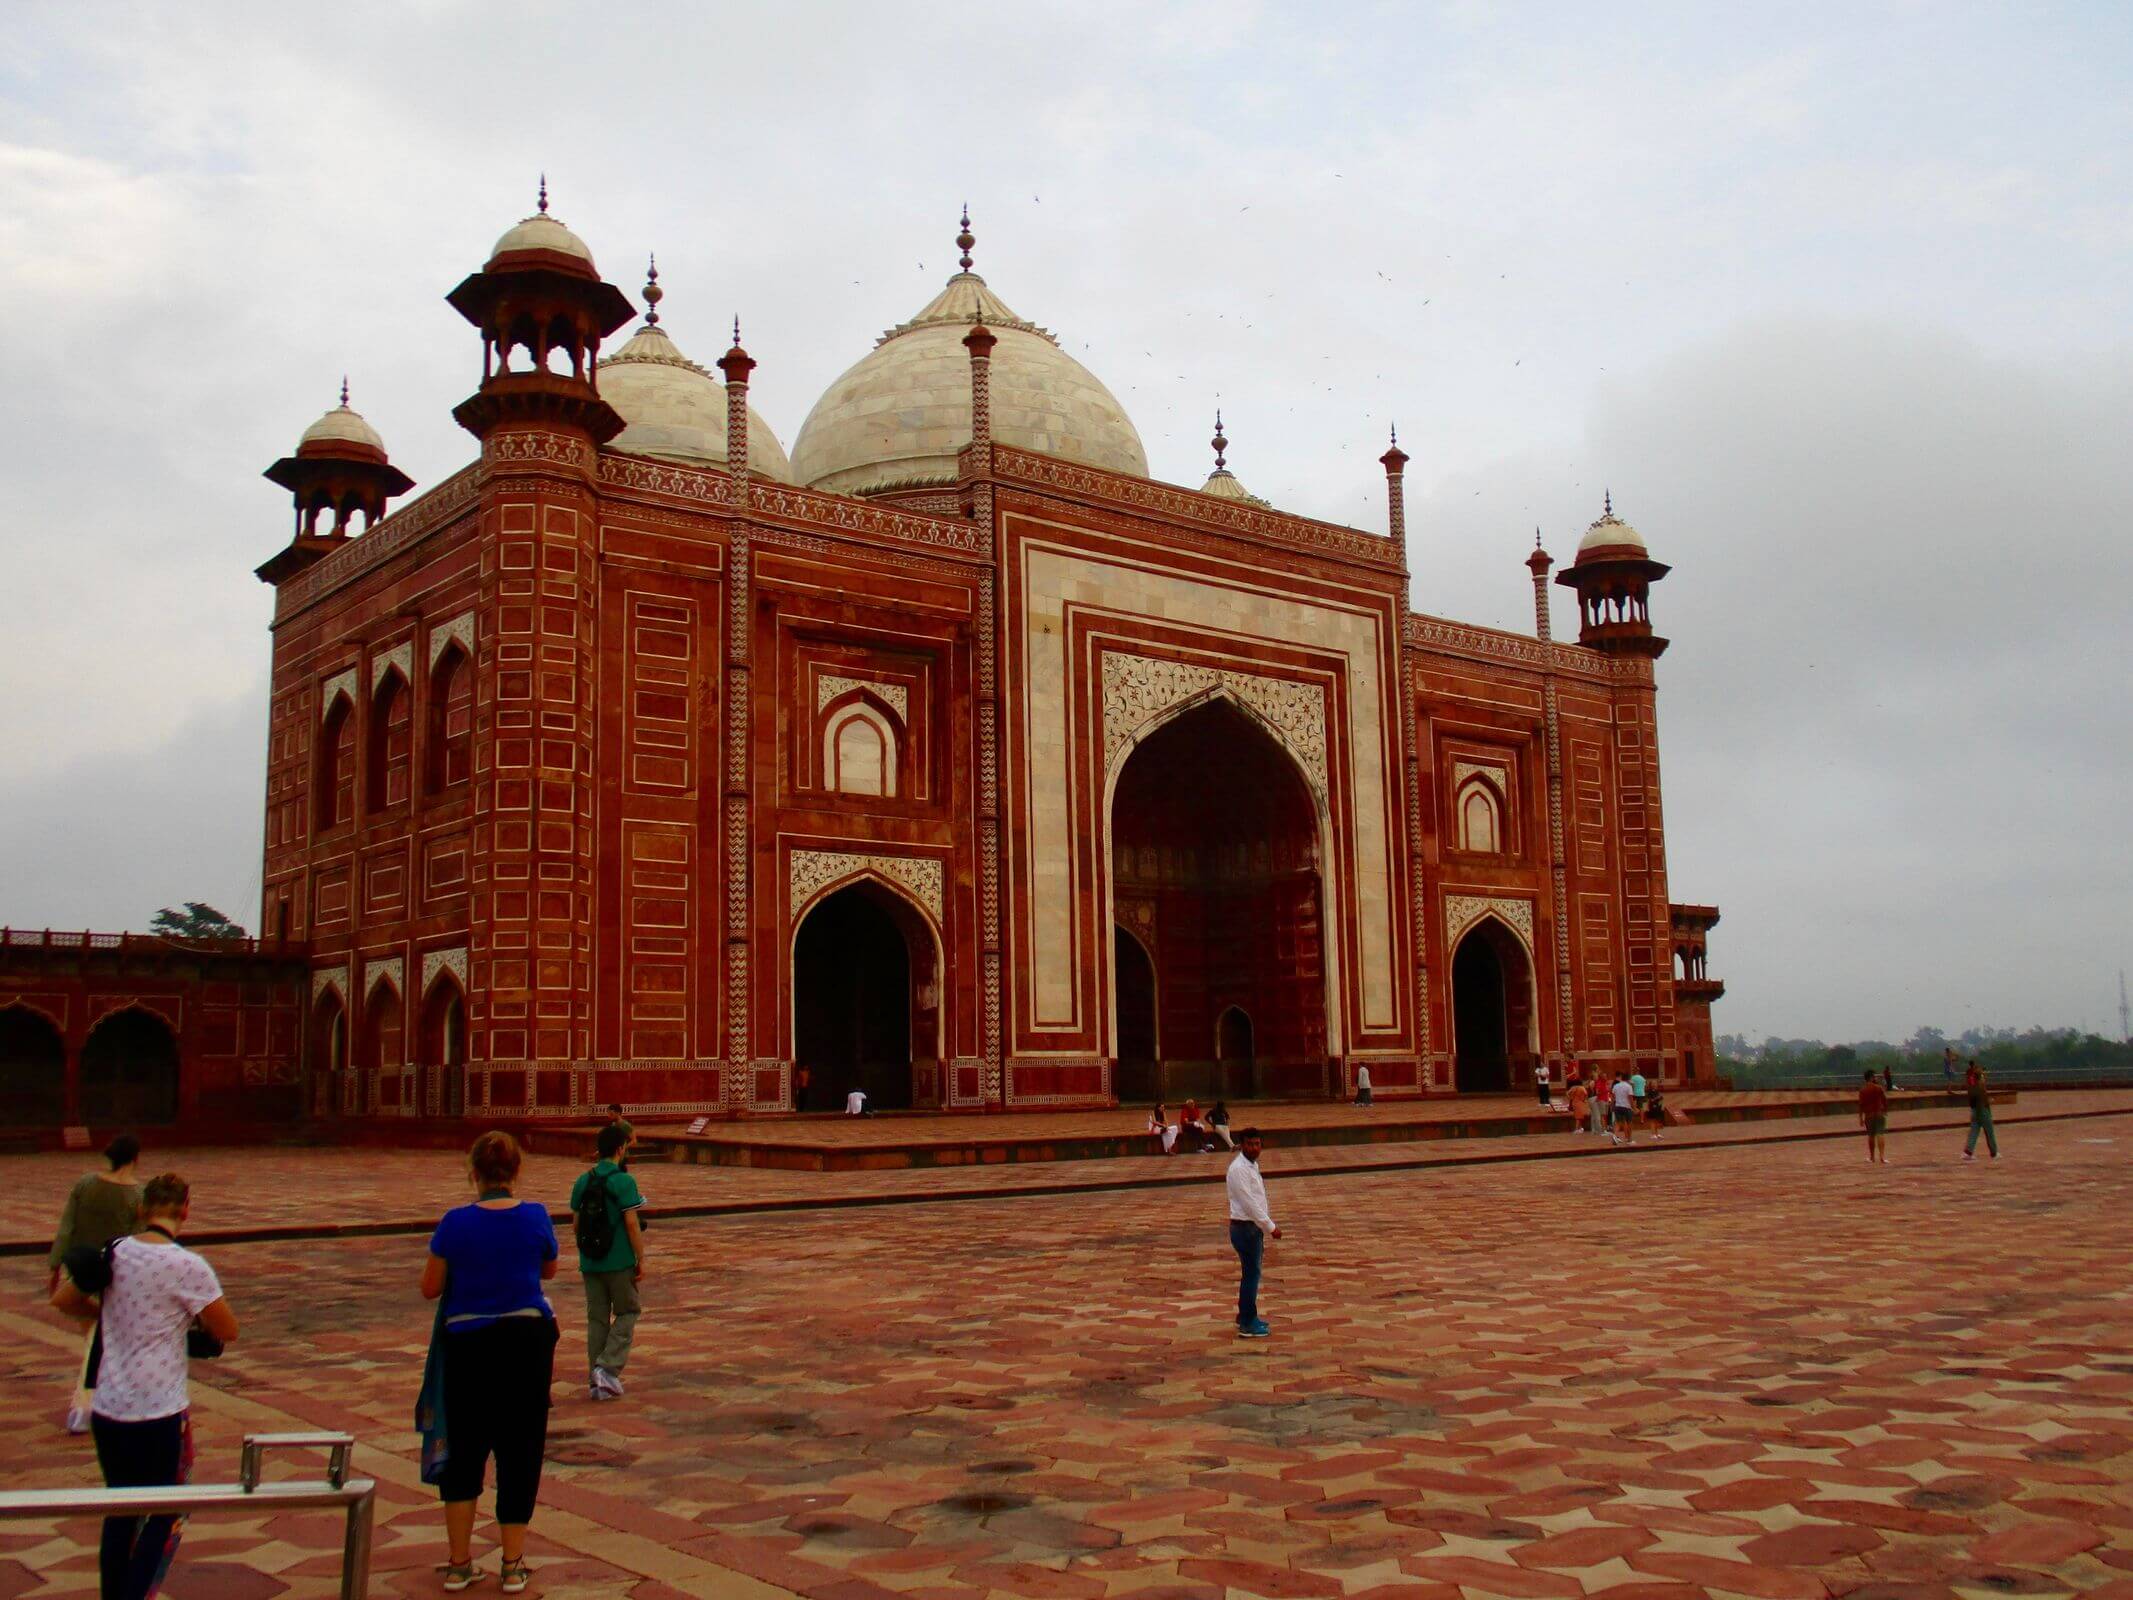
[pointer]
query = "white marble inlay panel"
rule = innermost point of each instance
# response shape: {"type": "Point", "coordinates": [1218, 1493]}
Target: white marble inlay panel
{"type": "Point", "coordinates": [813, 870]}
{"type": "Point", "coordinates": [894, 695]}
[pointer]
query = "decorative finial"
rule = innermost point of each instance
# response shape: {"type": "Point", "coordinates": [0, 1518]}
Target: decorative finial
{"type": "Point", "coordinates": [1221, 444]}
{"type": "Point", "coordinates": [544, 194]}
{"type": "Point", "coordinates": [344, 391]}
{"type": "Point", "coordinates": [736, 330]}
{"type": "Point", "coordinates": [1607, 503]}
{"type": "Point", "coordinates": [965, 239]}
{"type": "Point", "coordinates": [1396, 436]}
{"type": "Point", "coordinates": [653, 294]}
{"type": "Point", "coordinates": [1536, 536]}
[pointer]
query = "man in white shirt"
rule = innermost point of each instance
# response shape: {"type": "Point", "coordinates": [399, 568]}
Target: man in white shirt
{"type": "Point", "coordinates": [1543, 1082]}
{"type": "Point", "coordinates": [855, 1103]}
{"type": "Point", "coordinates": [1623, 1112]}
{"type": "Point", "coordinates": [1250, 1226]}
{"type": "Point", "coordinates": [1362, 1085]}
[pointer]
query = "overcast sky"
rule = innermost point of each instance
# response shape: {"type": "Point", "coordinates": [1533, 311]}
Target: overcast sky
{"type": "Point", "coordinates": [1836, 299]}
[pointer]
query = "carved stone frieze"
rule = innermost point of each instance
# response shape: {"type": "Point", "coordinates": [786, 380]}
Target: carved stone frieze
{"type": "Point", "coordinates": [1167, 500]}
{"type": "Point", "coordinates": [1462, 911]}
{"type": "Point", "coordinates": [527, 444]}
{"type": "Point", "coordinates": [836, 513]}
{"type": "Point", "coordinates": [814, 870]}
{"type": "Point", "coordinates": [829, 685]}
{"type": "Point", "coordinates": [1488, 644]}
{"type": "Point", "coordinates": [1463, 770]}
{"type": "Point", "coordinates": [1137, 689]}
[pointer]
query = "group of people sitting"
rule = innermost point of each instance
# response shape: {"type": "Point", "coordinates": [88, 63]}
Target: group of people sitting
{"type": "Point", "coordinates": [1194, 1130]}
{"type": "Point", "coordinates": [1614, 1105]}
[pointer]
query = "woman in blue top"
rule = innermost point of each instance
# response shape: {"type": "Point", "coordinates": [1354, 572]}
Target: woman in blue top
{"type": "Point", "coordinates": [488, 1260]}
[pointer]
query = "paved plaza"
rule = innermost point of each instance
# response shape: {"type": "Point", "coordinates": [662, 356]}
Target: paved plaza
{"type": "Point", "coordinates": [1761, 1369]}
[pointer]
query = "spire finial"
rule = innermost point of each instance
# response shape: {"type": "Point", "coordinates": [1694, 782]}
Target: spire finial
{"type": "Point", "coordinates": [1536, 536]}
{"type": "Point", "coordinates": [736, 330]}
{"type": "Point", "coordinates": [344, 391]}
{"type": "Point", "coordinates": [1221, 444]}
{"type": "Point", "coordinates": [965, 239]}
{"type": "Point", "coordinates": [1607, 503]}
{"type": "Point", "coordinates": [653, 294]}
{"type": "Point", "coordinates": [1396, 436]}
{"type": "Point", "coordinates": [544, 194]}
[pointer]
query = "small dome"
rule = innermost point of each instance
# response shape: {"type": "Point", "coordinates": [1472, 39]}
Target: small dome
{"type": "Point", "coordinates": [1222, 483]}
{"type": "Point", "coordinates": [342, 426]}
{"type": "Point", "coordinates": [1609, 531]}
{"type": "Point", "coordinates": [899, 417]}
{"type": "Point", "coordinates": [675, 410]}
{"type": "Point", "coordinates": [542, 232]}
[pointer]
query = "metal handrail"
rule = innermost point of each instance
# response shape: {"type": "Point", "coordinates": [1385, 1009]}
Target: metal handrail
{"type": "Point", "coordinates": [356, 1496]}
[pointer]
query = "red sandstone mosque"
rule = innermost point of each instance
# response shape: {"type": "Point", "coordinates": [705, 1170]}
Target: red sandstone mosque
{"type": "Point", "coordinates": [946, 755]}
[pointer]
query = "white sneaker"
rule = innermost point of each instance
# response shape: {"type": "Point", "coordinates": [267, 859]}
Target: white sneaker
{"type": "Point", "coordinates": [77, 1420]}
{"type": "Point", "coordinates": [608, 1381]}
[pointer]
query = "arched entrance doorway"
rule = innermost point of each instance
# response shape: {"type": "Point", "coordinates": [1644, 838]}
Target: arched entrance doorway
{"type": "Point", "coordinates": [441, 1077]}
{"type": "Point", "coordinates": [332, 1084]}
{"type": "Point", "coordinates": [33, 1070]}
{"type": "Point", "coordinates": [385, 1045]}
{"type": "Point", "coordinates": [1134, 999]}
{"type": "Point", "coordinates": [1492, 1010]}
{"type": "Point", "coordinates": [866, 999]}
{"type": "Point", "coordinates": [129, 1071]}
{"type": "Point", "coordinates": [1214, 828]}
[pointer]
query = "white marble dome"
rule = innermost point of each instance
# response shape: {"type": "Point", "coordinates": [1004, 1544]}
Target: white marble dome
{"type": "Point", "coordinates": [342, 426]}
{"type": "Point", "coordinates": [1610, 530]}
{"type": "Point", "coordinates": [542, 232]}
{"type": "Point", "coordinates": [899, 417]}
{"type": "Point", "coordinates": [676, 410]}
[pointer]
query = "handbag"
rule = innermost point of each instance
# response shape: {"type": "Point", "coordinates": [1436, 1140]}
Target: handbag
{"type": "Point", "coordinates": [429, 1405]}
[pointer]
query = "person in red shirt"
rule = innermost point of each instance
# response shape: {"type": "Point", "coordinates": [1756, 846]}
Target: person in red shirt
{"type": "Point", "coordinates": [1874, 1117]}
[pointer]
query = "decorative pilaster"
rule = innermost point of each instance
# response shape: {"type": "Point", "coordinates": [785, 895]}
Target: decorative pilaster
{"type": "Point", "coordinates": [991, 1040]}
{"type": "Point", "coordinates": [736, 365]}
{"type": "Point", "coordinates": [1539, 564]}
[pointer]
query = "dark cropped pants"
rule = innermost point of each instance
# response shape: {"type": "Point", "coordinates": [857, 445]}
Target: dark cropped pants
{"type": "Point", "coordinates": [496, 1403]}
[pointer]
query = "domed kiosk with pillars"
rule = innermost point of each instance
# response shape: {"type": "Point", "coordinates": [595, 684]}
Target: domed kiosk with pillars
{"type": "Point", "coordinates": [952, 757]}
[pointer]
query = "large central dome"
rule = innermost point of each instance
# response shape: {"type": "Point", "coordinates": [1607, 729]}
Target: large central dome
{"type": "Point", "coordinates": [900, 416]}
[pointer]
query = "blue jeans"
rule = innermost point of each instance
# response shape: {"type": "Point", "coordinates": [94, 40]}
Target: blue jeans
{"type": "Point", "coordinates": [1250, 1245]}
{"type": "Point", "coordinates": [1981, 1122]}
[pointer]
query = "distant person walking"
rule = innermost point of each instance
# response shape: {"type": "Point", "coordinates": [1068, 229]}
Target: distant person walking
{"type": "Point", "coordinates": [1602, 1101]}
{"type": "Point", "coordinates": [1362, 1085]}
{"type": "Point", "coordinates": [1542, 1082]}
{"type": "Point", "coordinates": [152, 1292]}
{"type": "Point", "coordinates": [615, 1119]}
{"type": "Point", "coordinates": [1947, 1065]}
{"type": "Point", "coordinates": [101, 1206]}
{"type": "Point", "coordinates": [1250, 1226]}
{"type": "Point", "coordinates": [1980, 1113]}
{"type": "Point", "coordinates": [604, 1203]}
{"type": "Point", "coordinates": [1874, 1118]}
{"type": "Point", "coordinates": [487, 1262]}
{"type": "Point", "coordinates": [1625, 1108]}
{"type": "Point", "coordinates": [1580, 1102]}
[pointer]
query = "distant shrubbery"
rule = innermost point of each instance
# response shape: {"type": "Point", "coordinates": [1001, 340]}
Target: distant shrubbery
{"type": "Point", "coordinates": [2040, 1053]}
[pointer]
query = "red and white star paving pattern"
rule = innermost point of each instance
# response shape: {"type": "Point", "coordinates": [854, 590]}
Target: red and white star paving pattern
{"type": "Point", "coordinates": [1761, 1370]}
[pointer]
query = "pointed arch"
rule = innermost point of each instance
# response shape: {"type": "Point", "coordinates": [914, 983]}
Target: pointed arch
{"type": "Point", "coordinates": [33, 1067]}
{"type": "Point", "coordinates": [334, 764]}
{"type": "Point", "coordinates": [1479, 810]}
{"type": "Point", "coordinates": [864, 744]}
{"type": "Point", "coordinates": [449, 738]}
{"type": "Point", "coordinates": [927, 1024]}
{"type": "Point", "coordinates": [332, 1081]}
{"type": "Point", "coordinates": [129, 1069]}
{"type": "Point", "coordinates": [384, 1039]}
{"type": "Point", "coordinates": [441, 1048]}
{"type": "Point", "coordinates": [389, 758]}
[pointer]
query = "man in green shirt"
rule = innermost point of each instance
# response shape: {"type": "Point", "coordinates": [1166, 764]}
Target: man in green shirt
{"type": "Point", "coordinates": [604, 1203]}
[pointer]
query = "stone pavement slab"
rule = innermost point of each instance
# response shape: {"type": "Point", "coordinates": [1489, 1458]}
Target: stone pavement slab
{"type": "Point", "coordinates": [1764, 1369]}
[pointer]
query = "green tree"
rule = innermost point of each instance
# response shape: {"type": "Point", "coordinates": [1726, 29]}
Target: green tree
{"type": "Point", "coordinates": [197, 921]}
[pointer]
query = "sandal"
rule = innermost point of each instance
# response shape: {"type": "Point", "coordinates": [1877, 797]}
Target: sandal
{"type": "Point", "coordinates": [462, 1576]}
{"type": "Point", "coordinates": [515, 1576]}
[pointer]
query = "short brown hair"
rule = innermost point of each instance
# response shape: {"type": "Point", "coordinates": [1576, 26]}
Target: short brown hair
{"type": "Point", "coordinates": [164, 1193]}
{"type": "Point", "coordinates": [494, 1159]}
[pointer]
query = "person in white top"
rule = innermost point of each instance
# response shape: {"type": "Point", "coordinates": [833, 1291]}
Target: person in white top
{"type": "Point", "coordinates": [1362, 1085]}
{"type": "Point", "coordinates": [1250, 1226]}
{"type": "Point", "coordinates": [1541, 1077]}
{"type": "Point", "coordinates": [855, 1103]}
{"type": "Point", "coordinates": [1623, 1112]}
{"type": "Point", "coordinates": [145, 1295]}
{"type": "Point", "coordinates": [1164, 1129]}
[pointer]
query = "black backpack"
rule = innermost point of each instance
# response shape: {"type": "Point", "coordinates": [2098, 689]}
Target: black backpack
{"type": "Point", "coordinates": [595, 1221]}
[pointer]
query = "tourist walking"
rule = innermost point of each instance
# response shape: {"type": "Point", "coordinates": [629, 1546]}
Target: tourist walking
{"type": "Point", "coordinates": [1602, 1100]}
{"type": "Point", "coordinates": [1580, 1102]}
{"type": "Point", "coordinates": [1637, 1087]}
{"type": "Point", "coordinates": [1541, 1086]}
{"type": "Point", "coordinates": [1655, 1110]}
{"type": "Point", "coordinates": [1250, 1226]}
{"type": "Point", "coordinates": [1218, 1124]}
{"type": "Point", "coordinates": [1362, 1085]}
{"type": "Point", "coordinates": [1874, 1118]}
{"type": "Point", "coordinates": [101, 1206]}
{"type": "Point", "coordinates": [1625, 1108]}
{"type": "Point", "coordinates": [494, 1349]}
{"type": "Point", "coordinates": [610, 1237]}
{"type": "Point", "coordinates": [147, 1293]}
{"type": "Point", "coordinates": [615, 1119]}
{"type": "Point", "coordinates": [1980, 1113]}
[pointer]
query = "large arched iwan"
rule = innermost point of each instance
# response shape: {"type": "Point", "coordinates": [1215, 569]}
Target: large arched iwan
{"type": "Point", "coordinates": [1492, 1010]}
{"type": "Point", "coordinates": [33, 1069]}
{"type": "Point", "coordinates": [1213, 825]}
{"type": "Point", "coordinates": [866, 998]}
